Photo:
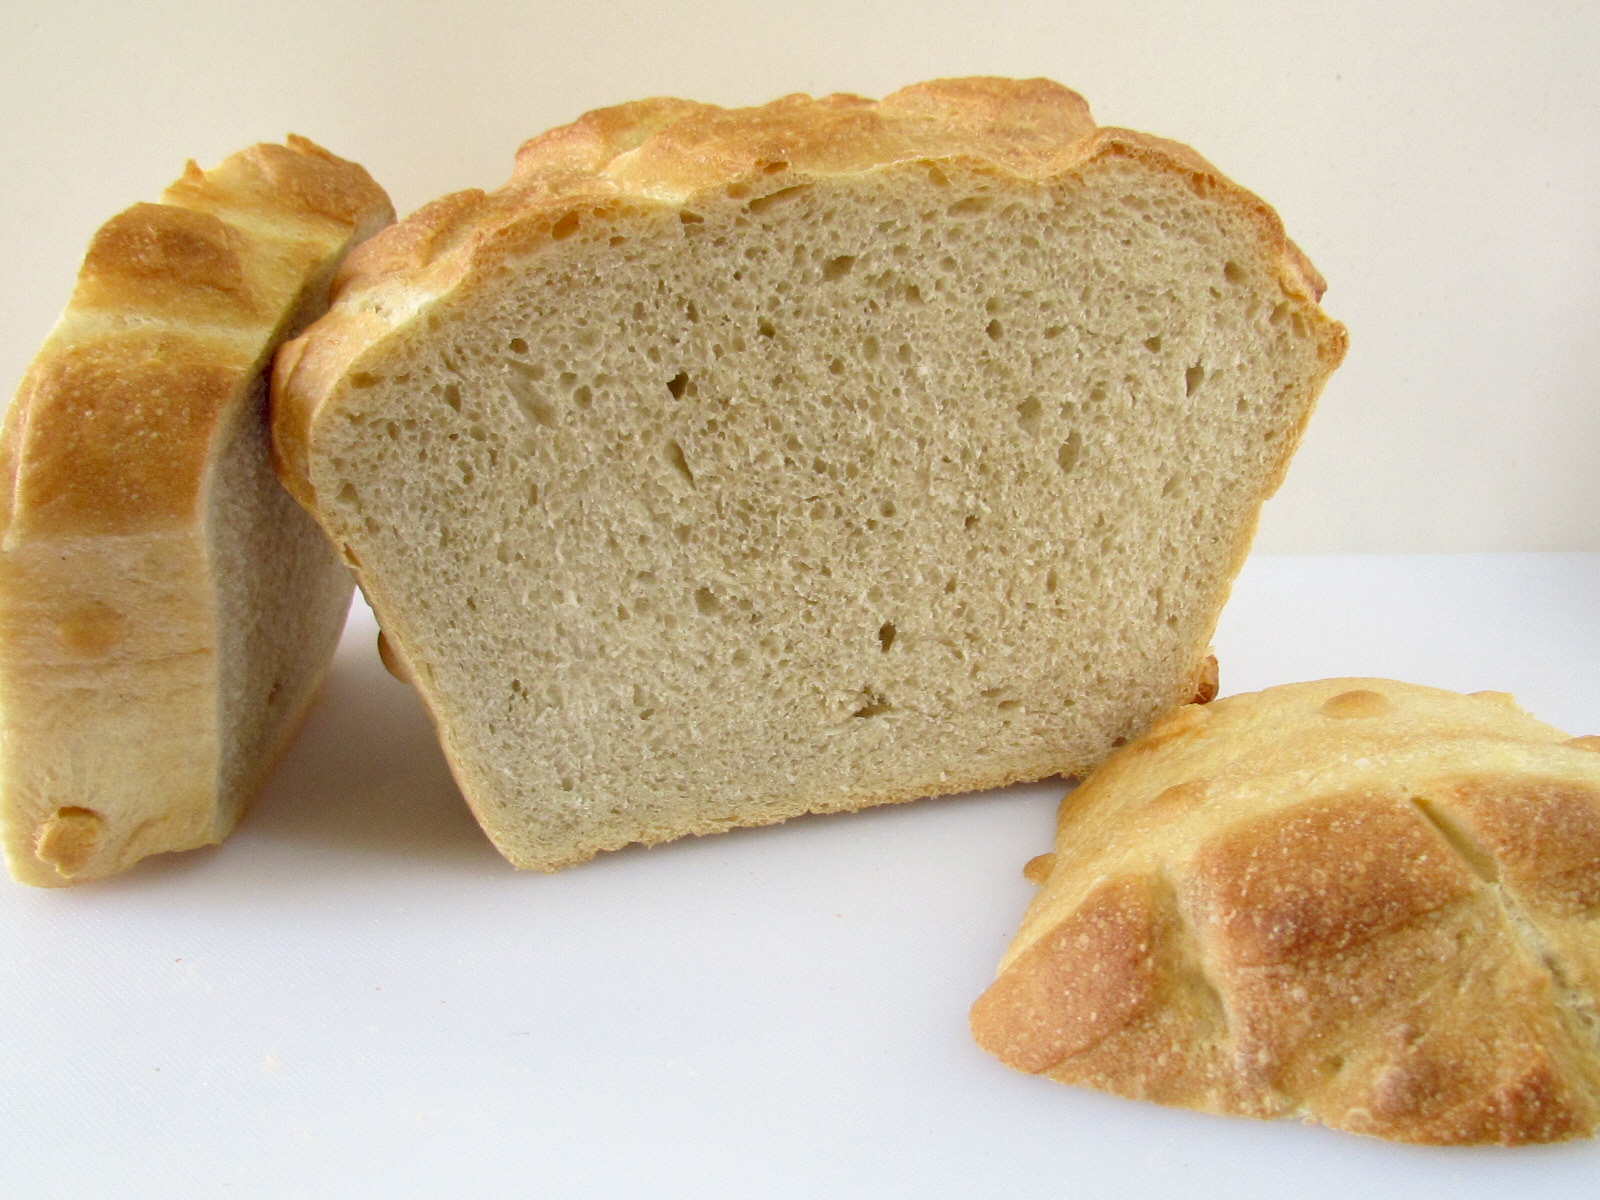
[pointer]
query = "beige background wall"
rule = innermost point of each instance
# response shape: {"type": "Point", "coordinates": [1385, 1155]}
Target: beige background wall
{"type": "Point", "coordinates": [1439, 162]}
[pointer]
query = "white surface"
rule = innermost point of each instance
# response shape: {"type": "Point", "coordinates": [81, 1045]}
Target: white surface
{"type": "Point", "coordinates": [356, 997]}
{"type": "Point", "coordinates": [1438, 162]}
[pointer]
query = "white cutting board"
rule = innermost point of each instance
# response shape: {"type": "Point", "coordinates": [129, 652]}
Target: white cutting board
{"type": "Point", "coordinates": [356, 997]}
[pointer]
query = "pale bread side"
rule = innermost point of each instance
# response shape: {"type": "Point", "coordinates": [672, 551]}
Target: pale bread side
{"type": "Point", "coordinates": [727, 465]}
{"type": "Point", "coordinates": [1356, 901]}
{"type": "Point", "coordinates": [166, 610]}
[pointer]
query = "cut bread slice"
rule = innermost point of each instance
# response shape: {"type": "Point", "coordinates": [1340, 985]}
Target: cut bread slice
{"type": "Point", "coordinates": [166, 610]}
{"type": "Point", "coordinates": [730, 465]}
{"type": "Point", "coordinates": [1355, 901]}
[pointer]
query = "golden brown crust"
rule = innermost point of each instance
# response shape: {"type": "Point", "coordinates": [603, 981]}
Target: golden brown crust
{"type": "Point", "coordinates": [1320, 878]}
{"type": "Point", "coordinates": [175, 303]}
{"type": "Point", "coordinates": [668, 152]}
{"type": "Point", "coordinates": [109, 673]}
{"type": "Point", "coordinates": [1381, 914]}
{"type": "Point", "coordinates": [1090, 976]}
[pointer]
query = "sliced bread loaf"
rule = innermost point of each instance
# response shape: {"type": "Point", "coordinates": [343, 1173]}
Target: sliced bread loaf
{"type": "Point", "coordinates": [727, 465]}
{"type": "Point", "coordinates": [166, 610]}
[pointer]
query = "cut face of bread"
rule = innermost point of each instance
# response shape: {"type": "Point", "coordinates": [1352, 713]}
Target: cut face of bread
{"type": "Point", "coordinates": [1358, 901]}
{"type": "Point", "coordinates": [731, 465]}
{"type": "Point", "coordinates": [166, 609]}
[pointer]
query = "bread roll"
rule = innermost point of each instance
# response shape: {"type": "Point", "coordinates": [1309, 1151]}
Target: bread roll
{"type": "Point", "coordinates": [166, 610]}
{"type": "Point", "coordinates": [727, 465]}
{"type": "Point", "coordinates": [1357, 901]}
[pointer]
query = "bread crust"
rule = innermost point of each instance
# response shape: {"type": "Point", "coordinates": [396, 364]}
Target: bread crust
{"type": "Point", "coordinates": [667, 152]}
{"type": "Point", "coordinates": [1362, 902]}
{"type": "Point", "coordinates": [109, 456]}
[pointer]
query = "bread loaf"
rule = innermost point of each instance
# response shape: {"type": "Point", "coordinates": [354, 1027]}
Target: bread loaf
{"type": "Point", "coordinates": [1357, 901]}
{"type": "Point", "coordinates": [727, 465]}
{"type": "Point", "coordinates": [166, 610]}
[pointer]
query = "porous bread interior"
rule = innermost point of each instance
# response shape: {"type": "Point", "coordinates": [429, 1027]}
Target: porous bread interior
{"type": "Point", "coordinates": [280, 601]}
{"type": "Point", "coordinates": [887, 485]}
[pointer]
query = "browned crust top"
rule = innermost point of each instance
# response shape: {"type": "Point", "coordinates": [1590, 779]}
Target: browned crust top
{"type": "Point", "coordinates": [669, 152]}
{"type": "Point", "coordinates": [1359, 901]}
{"type": "Point", "coordinates": [176, 306]}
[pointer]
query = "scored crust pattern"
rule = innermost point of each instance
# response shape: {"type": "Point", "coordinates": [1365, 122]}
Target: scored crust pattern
{"type": "Point", "coordinates": [1357, 901]}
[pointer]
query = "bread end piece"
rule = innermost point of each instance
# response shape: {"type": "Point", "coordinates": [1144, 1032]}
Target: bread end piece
{"type": "Point", "coordinates": [166, 610]}
{"type": "Point", "coordinates": [1355, 901]}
